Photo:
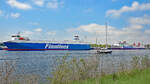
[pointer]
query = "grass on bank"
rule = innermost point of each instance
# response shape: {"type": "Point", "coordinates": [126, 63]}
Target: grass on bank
{"type": "Point", "coordinates": [132, 77]}
{"type": "Point", "coordinates": [86, 72]}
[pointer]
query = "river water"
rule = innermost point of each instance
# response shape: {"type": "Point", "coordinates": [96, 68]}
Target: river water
{"type": "Point", "coordinates": [42, 62]}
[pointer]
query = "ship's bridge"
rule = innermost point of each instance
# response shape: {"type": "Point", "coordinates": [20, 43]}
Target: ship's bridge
{"type": "Point", "coordinates": [18, 37]}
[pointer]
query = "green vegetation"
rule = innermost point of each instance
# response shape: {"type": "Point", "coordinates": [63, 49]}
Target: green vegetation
{"type": "Point", "coordinates": [86, 72]}
{"type": "Point", "coordinates": [99, 45]}
{"type": "Point", "coordinates": [128, 77]}
{"type": "Point", "coordinates": [147, 46]}
{"type": "Point", "coordinates": [74, 69]}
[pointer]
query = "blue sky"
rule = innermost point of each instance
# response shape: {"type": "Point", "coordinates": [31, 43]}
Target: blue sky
{"type": "Point", "coordinates": [61, 19]}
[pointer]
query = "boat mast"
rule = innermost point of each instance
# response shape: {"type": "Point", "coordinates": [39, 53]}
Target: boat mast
{"type": "Point", "coordinates": [106, 34]}
{"type": "Point", "coordinates": [96, 42]}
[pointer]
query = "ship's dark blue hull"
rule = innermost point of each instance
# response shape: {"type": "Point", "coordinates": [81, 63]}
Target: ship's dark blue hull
{"type": "Point", "coordinates": [45, 46]}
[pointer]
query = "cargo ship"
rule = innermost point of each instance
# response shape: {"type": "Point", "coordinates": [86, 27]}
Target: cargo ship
{"type": "Point", "coordinates": [19, 43]}
{"type": "Point", "coordinates": [126, 46]}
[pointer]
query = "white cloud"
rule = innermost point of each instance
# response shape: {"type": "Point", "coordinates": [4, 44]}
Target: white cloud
{"type": "Point", "coordinates": [38, 30]}
{"type": "Point", "coordinates": [51, 33]}
{"type": "Point", "coordinates": [15, 15]}
{"type": "Point", "coordinates": [34, 23]}
{"type": "Point", "coordinates": [39, 2]}
{"type": "Point", "coordinates": [1, 12]}
{"type": "Point", "coordinates": [94, 29]}
{"type": "Point", "coordinates": [37, 34]}
{"type": "Point", "coordinates": [19, 5]}
{"type": "Point", "coordinates": [135, 7]}
{"type": "Point", "coordinates": [130, 33]}
{"type": "Point", "coordinates": [140, 20]}
{"type": "Point", "coordinates": [147, 31]}
{"type": "Point", "coordinates": [27, 33]}
{"type": "Point", "coordinates": [54, 4]}
{"type": "Point", "coordinates": [135, 26]}
{"type": "Point", "coordinates": [114, 0]}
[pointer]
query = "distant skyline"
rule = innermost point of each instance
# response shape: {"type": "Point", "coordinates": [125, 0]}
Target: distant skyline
{"type": "Point", "coordinates": [128, 20]}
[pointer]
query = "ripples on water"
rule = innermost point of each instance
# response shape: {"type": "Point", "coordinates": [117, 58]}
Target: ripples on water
{"type": "Point", "coordinates": [42, 62]}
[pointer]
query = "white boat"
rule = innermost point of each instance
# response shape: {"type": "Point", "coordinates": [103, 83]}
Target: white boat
{"type": "Point", "coordinates": [104, 50]}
